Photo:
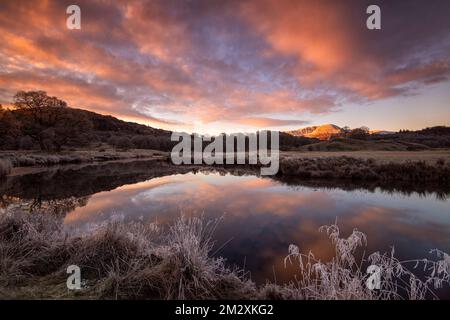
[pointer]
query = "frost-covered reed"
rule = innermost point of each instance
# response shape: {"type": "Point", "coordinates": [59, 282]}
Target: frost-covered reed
{"type": "Point", "coordinates": [144, 261]}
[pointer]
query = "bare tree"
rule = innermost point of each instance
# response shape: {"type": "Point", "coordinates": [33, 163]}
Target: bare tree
{"type": "Point", "coordinates": [50, 122]}
{"type": "Point", "coordinates": [37, 102]}
{"type": "Point", "coordinates": [359, 133]}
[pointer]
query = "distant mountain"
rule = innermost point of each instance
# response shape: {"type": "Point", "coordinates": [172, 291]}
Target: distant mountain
{"type": "Point", "coordinates": [323, 132]}
{"type": "Point", "coordinates": [302, 131]}
{"type": "Point", "coordinates": [335, 138]}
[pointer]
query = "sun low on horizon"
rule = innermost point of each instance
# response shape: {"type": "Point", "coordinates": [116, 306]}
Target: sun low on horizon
{"type": "Point", "coordinates": [225, 66]}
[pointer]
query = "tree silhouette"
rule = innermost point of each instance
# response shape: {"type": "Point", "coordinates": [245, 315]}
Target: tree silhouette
{"type": "Point", "coordinates": [48, 121]}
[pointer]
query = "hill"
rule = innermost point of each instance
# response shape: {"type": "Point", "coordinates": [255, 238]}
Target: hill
{"type": "Point", "coordinates": [323, 132]}
{"type": "Point", "coordinates": [54, 129]}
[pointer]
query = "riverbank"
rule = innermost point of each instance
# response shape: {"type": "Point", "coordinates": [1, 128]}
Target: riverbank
{"type": "Point", "coordinates": [37, 158]}
{"type": "Point", "coordinates": [429, 156]}
{"type": "Point", "coordinates": [148, 261]}
{"type": "Point", "coordinates": [383, 166]}
{"type": "Point", "coordinates": [25, 162]}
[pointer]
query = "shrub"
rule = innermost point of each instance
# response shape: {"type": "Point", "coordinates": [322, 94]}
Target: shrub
{"type": "Point", "coordinates": [120, 142]}
{"type": "Point", "coordinates": [26, 143]}
{"type": "Point", "coordinates": [5, 167]}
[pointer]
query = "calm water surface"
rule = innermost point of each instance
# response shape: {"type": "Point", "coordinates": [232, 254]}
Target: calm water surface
{"type": "Point", "coordinates": [261, 216]}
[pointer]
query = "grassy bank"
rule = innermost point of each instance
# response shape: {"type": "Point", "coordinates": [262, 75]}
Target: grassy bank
{"type": "Point", "coordinates": [427, 166]}
{"type": "Point", "coordinates": [345, 167]}
{"type": "Point", "coordinates": [37, 158]}
{"type": "Point", "coordinates": [428, 156]}
{"type": "Point", "coordinates": [136, 260]}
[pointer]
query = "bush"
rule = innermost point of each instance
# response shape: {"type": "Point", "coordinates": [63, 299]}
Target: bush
{"type": "Point", "coordinates": [120, 142]}
{"type": "Point", "coordinates": [26, 143]}
{"type": "Point", "coordinates": [5, 167]}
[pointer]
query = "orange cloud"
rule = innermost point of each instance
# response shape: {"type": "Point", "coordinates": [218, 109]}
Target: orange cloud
{"type": "Point", "coordinates": [254, 63]}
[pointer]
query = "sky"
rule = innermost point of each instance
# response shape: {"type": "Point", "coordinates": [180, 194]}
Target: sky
{"type": "Point", "coordinates": [212, 66]}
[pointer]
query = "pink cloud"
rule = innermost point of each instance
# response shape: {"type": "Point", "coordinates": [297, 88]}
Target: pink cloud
{"type": "Point", "coordinates": [252, 62]}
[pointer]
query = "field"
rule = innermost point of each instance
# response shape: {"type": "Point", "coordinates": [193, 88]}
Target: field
{"type": "Point", "coordinates": [418, 167]}
{"type": "Point", "coordinates": [428, 156]}
{"type": "Point", "coordinates": [348, 144]}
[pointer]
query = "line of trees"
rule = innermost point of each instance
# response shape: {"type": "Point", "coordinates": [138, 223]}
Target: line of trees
{"type": "Point", "coordinates": [360, 133]}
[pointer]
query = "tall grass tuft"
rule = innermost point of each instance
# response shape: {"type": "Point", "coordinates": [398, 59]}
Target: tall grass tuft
{"type": "Point", "coordinates": [344, 277]}
{"type": "Point", "coordinates": [126, 261]}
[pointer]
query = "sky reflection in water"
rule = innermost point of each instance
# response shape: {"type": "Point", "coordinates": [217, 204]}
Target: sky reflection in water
{"type": "Point", "coordinates": [261, 217]}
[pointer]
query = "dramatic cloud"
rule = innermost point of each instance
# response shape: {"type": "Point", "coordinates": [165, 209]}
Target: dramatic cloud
{"type": "Point", "coordinates": [261, 63]}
